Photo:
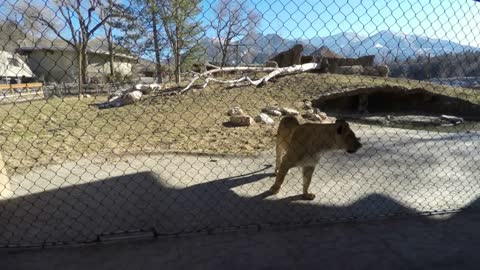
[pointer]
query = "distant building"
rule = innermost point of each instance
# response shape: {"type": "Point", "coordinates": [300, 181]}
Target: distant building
{"type": "Point", "coordinates": [56, 61]}
{"type": "Point", "coordinates": [144, 68]}
{"type": "Point", "coordinates": [13, 69]}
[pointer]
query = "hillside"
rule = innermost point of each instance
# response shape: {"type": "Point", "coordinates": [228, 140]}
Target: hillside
{"type": "Point", "coordinates": [464, 64]}
{"type": "Point", "coordinates": [69, 129]}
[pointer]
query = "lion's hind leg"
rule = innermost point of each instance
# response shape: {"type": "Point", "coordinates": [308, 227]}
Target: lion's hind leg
{"type": "Point", "coordinates": [280, 177]}
{"type": "Point", "coordinates": [281, 148]}
{"type": "Point", "coordinates": [307, 178]}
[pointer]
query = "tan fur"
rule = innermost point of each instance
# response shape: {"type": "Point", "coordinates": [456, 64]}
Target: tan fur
{"type": "Point", "coordinates": [300, 145]}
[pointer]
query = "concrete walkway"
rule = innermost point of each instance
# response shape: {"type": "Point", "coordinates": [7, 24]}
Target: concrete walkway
{"type": "Point", "coordinates": [396, 172]}
{"type": "Point", "coordinates": [411, 243]}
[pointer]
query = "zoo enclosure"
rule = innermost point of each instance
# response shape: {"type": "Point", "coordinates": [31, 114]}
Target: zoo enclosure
{"type": "Point", "coordinates": [144, 155]}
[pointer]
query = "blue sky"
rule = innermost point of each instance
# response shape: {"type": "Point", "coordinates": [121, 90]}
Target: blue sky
{"type": "Point", "coordinates": [454, 20]}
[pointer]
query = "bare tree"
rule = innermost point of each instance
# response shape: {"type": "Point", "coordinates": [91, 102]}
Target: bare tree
{"type": "Point", "coordinates": [233, 20]}
{"type": "Point", "coordinates": [11, 35]}
{"type": "Point", "coordinates": [108, 27]}
{"type": "Point", "coordinates": [21, 18]}
{"type": "Point", "coordinates": [80, 22]}
{"type": "Point", "coordinates": [181, 29]}
{"type": "Point", "coordinates": [154, 12]}
{"type": "Point", "coordinates": [142, 35]}
{"type": "Point", "coordinates": [118, 13]}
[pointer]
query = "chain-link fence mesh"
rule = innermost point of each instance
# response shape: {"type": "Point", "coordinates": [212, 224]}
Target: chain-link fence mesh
{"type": "Point", "coordinates": [176, 116]}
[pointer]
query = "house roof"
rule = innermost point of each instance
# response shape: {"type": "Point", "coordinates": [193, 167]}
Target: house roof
{"type": "Point", "coordinates": [97, 46]}
{"type": "Point", "coordinates": [12, 65]}
{"type": "Point", "coordinates": [144, 65]}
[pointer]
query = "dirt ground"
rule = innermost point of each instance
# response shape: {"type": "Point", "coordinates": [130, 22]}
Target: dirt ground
{"type": "Point", "coordinates": [56, 130]}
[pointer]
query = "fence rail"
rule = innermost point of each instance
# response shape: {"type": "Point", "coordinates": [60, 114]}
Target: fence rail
{"type": "Point", "coordinates": [26, 86]}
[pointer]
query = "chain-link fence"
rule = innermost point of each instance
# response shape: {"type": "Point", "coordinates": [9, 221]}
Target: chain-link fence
{"type": "Point", "coordinates": [162, 117]}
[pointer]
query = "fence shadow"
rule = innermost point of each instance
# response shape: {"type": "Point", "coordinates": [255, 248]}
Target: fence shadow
{"type": "Point", "coordinates": [141, 201]}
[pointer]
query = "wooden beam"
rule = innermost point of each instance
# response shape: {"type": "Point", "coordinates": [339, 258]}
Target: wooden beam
{"type": "Point", "coordinates": [20, 86]}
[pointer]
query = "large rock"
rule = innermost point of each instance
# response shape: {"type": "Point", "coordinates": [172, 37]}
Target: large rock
{"type": "Point", "coordinates": [241, 120]}
{"type": "Point", "coordinates": [115, 102]}
{"type": "Point", "coordinates": [289, 111]}
{"type": "Point", "coordinates": [323, 61]}
{"type": "Point", "coordinates": [313, 111]}
{"type": "Point", "coordinates": [199, 67]}
{"type": "Point", "coordinates": [289, 57]}
{"type": "Point", "coordinates": [350, 70]}
{"type": "Point", "coordinates": [329, 120]}
{"type": "Point", "coordinates": [235, 111]}
{"type": "Point", "coordinates": [147, 88]}
{"type": "Point", "coordinates": [370, 71]}
{"type": "Point", "coordinates": [115, 95]}
{"type": "Point", "coordinates": [307, 104]}
{"type": "Point", "coordinates": [378, 71]}
{"type": "Point", "coordinates": [263, 118]}
{"type": "Point", "coordinates": [312, 117]}
{"type": "Point", "coordinates": [383, 70]}
{"type": "Point", "coordinates": [323, 115]}
{"type": "Point", "coordinates": [121, 98]}
{"type": "Point", "coordinates": [271, 64]}
{"type": "Point", "coordinates": [115, 99]}
{"type": "Point", "coordinates": [304, 105]}
{"type": "Point", "coordinates": [132, 97]}
{"type": "Point", "coordinates": [454, 120]}
{"type": "Point", "coordinates": [298, 104]}
{"type": "Point", "coordinates": [310, 59]}
{"type": "Point", "coordinates": [315, 115]}
{"type": "Point", "coordinates": [365, 61]}
{"type": "Point", "coordinates": [272, 110]}
{"type": "Point", "coordinates": [304, 59]}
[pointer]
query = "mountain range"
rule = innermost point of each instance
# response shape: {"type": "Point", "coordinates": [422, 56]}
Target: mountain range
{"type": "Point", "coordinates": [386, 45]}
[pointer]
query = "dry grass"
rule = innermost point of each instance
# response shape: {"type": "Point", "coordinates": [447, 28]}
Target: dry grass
{"type": "Point", "coordinates": [52, 131]}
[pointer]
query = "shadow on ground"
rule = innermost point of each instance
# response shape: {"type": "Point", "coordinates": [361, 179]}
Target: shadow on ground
{"type": "Point", "coordinates": [141, 202]}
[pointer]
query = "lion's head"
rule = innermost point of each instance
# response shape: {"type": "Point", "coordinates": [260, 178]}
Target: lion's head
{"type": "Point", "coordinates": [346, 138]}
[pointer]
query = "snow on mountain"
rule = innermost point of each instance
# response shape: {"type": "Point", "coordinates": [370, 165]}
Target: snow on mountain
{"type": "Point", "coordinates": [386, 45]}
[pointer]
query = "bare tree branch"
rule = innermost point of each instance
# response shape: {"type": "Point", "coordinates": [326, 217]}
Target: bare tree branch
{"type": "Point", "coordinates": [241, 81]}
{"type": "Point", "coordinates": [69, 21]}
{"type": "Point", "coordinates": [234, 20]}
{"type": "Point", "coordinates": [78, 30]}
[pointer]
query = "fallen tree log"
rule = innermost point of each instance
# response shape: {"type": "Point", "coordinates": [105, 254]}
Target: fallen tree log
{"type": "Point", "coordinates": [247, 80]}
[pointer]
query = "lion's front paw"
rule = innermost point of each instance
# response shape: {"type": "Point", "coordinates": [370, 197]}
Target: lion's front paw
{"type": "Point", "coordinates": [308, 196]}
